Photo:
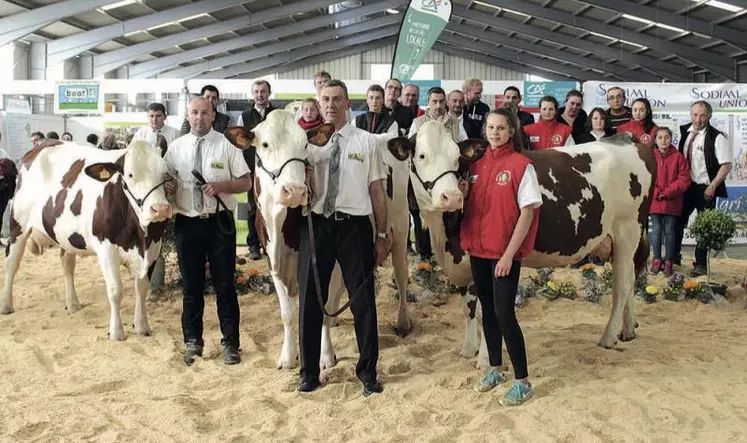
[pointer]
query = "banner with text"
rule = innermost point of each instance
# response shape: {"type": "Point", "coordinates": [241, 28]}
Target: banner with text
{"type": "Point", "coordinates": [78, 97]}
{"type": "Point", "coordinates": [422, 24]}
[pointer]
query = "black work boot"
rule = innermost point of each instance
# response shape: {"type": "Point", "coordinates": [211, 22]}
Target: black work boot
{"type": "Point", "coordinates": [191, 350]}
{"type": "Point", "coordinates": [231, 354]}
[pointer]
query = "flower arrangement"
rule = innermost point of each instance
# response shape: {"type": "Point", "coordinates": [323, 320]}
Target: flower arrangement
{"type": "Point", "coordinates": [550, 290]}
{"type": "Point", "coordinates": [567, 290]}
{"type": "Point", "coordinates": [713, 229]}
{"type": "Point", "coordinates": [427, 278]}
{"type": "Point", "coordinates": [650, 294]}
{"type": "Point", "coordinates": [606, 278]}
{"type": "Point", "coordinates": [593, 289]}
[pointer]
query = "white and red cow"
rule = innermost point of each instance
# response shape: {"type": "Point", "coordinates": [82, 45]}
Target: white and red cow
{"type": "Point", "coordinates": [280, 192]}
{"type": "Point", "coordinates": [91, 201]}
{"type": "Point", "coordinates": [593, 194]}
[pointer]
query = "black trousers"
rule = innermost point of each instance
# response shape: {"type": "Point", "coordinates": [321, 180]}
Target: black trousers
{"type": "Point", "coordinates": [497, 297]}
{"type": "Point", "coordinates": [422, 236]}
{"type": "Point", "coordinates": [350, 243]}
{"type": "Point", "coordinates": [694, 200]}
{"type": "Point", "coordinates": [252, 239]}
{"type": "Point", "coordinates": [196, 240]}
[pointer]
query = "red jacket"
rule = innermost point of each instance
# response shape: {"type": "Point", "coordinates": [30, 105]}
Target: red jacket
{"type": "Point", "coordinates": [639, 135]}
{"type": "Point", "coordinates": [672, 180]}
{"type": "Point", "coordinates": [491, 209]}
{"type": "Point", "coordinates": [547, 134]}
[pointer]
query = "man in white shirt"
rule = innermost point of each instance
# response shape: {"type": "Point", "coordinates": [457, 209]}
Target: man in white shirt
{"type": "Point", "coordinates": [437, 112]}
{"type": "Point", "coordinates": [156, 126]}
{"type": "Point", "coordinates": [455, 103]}
{"type": "Point", "coordinates": [203, 229]}
{"type": "Point", "coordinates": [709, 155]}
{"type": "Point", "coordinates": [319, 79]}
{"type": "Point", "coordinates": [256, 114]}
{"type": "Point", "coordinates": [348, 182]}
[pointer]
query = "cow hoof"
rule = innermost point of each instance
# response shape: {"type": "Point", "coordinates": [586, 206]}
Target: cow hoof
{"type": "Point", "coordinates": [286, 364]}
{"type": "Point", "coordinates": [403, 328]}
{"type": "Point", "coordinates": [73, 308]}
{"type": "Point", "coordinates": [607, 345]}
{"type": "Point", "coordinates": [6, 309]}
{"type": "Point", "coordinates": [636, 325]}
{"type": "Point", "coordinates": [629, 336]}
{"type": "Point", "coordinates": [468, 351]}
{"type": "Point", "coordinates": [116, 335]}
{"type": "Point", "coordinates": [327, 362]}
{"type": "Point", "coordinates": [145, 332]}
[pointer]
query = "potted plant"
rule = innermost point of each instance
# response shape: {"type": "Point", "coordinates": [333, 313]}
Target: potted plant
{"type": "Point", "coordinates": [712, 230]}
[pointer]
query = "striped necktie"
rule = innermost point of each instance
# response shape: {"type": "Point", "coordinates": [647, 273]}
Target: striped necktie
{"type": "Point", "coordinates": [197, 196]}
{"type": "Point", "coordinates": [333, 184]}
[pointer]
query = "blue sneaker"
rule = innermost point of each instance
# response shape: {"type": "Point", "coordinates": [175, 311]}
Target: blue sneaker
{"type": "Point", "coordinates": [519, 393]}
{"type": "Point", "coordinates": [492, 379]}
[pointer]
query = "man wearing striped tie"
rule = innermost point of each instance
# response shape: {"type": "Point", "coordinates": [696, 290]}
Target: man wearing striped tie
{"type": "Point", "coordinates": [348, 183]}
{"type": "Point", "coordinates": [202, 229]}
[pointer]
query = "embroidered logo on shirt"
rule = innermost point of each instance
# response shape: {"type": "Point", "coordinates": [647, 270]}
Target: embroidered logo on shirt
{"type": "Point", "coordinates": [503, 177]}
{"type": "Point", "coordinates": [534, 138]}
{"type": "Point", "coordinates": [357, 156]}
{"type": "Point", "coordinates": [217, 165]}
{"type": "Point", "coordinates": [472, 179]}
{"type": "Point", "coordinates": [556, 139]}
{"type": "Point", "coordinates": [646, 139]}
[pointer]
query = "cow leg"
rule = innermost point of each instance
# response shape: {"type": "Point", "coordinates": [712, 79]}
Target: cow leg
{"type": "Point", "coordinates": [401, 271]}
{"type": "Point", "coordinates": [72, 304]}
{"type": "Point", "coordinates": [140, 319]}
{"type": "Point", "coordinates": [12, 262]}
{"type": "Point", "coordinates": [289, 353]}
{"type": "Point", "coordinates": [109, 263]}
{"type": "Point", "coordinates": [327, 358]}
{"type": "Point", "coordinates": [471, 344]}
{"type": "Point", "coordinates": [623, 279]}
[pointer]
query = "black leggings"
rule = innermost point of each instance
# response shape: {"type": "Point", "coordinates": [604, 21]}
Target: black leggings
{"type": "Point", "coordinates": [497, 297]}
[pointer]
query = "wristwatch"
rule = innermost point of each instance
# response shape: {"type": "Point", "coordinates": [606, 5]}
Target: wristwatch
{"type": "Point", "coordinates": [382, 235]}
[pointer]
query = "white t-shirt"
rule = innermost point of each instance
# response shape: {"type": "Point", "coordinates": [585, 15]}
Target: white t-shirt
{"type": "Point", "coordinates": [221, 161]}
{"type": "Point", "coordinates": [360, 165]}
{"type": "Point", "coordinates": [148, 134]}
{"type": "Point", "coordinates": [530, 193]}
{"type": "Point", "coordinates": [698, 171]}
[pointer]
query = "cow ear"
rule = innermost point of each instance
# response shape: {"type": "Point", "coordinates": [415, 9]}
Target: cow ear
{"type": "Point", "coordinates": [320, 135]}
{"type": "Point", "coordinates": [401, 147]}
{"type": "Point", "coordinates": [162, 144]}
{"type": "Point", "coordinates": [240, 137]}
{"type": "Point", "coordinates": [102, 171]}
{"type": "Point", "coordinates": [472, 149]}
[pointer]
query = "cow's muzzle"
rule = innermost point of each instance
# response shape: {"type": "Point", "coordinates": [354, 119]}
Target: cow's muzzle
{"type": "Point", "coordinates": [450, 201]}
{"type": "Point", "coordinates": [292, 195]}
{"type": "Point", "coordinates": [160, 212]}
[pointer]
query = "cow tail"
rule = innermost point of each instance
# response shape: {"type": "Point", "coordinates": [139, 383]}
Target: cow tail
{"type": "Point", "coordinates": [641, 254]}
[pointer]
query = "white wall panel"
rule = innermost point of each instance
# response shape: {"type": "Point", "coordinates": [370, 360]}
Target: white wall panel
{"type": "Point", "coordinates": [446, 67]}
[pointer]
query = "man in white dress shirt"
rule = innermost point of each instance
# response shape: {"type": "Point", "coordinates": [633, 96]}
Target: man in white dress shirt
{"type": "Point", "coordinates": [709, 155]}
{"type": "Point", "coordinates": [156, 126]}
{"type": "Point", "coordinates": [348, 182]}
{"type": "Point", "coordinates": [319, 79]}
{"type": "Point", "coordinates": [203, 229]}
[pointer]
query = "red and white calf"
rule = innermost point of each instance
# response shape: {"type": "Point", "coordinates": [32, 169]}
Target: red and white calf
{"type": "Point", "coordinates": [594, 195]}
{"type": "Point", "coordinates": [90, 201]}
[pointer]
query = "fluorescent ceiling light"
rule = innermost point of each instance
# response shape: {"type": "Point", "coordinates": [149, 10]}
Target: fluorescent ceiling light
{"type": "Point", "coordinates": [392, 11]}
{"type": "Point", "coordinates": [724, 6]}
{"type": "Point", "coordinates": [632, 44]}
{"type": "Point", "coordinates": [671, 28]}
{"type": "Point", "coordinates": [638, 19]}
{"type": "Point", "coordinates": [502, 9]}
{"type": "Point", "coordinates": [118, 4]}
{"type": "Point", "coordinates": [204, 14]}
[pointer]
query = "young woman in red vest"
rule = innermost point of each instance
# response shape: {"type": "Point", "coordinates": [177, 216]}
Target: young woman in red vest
{"type": "Point", "coordinates": [642, 125]}
{"type": "Point", "coordinates": [548, 132]}
{"type": "Point", "coordinates": [502, 198]}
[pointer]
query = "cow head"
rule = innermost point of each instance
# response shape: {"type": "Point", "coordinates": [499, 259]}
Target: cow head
{"type": "Point", "coordinates": [281, 154]}
{"type": "Point", "coordinates": [436, 165]}
{"type": "Point", "coordinates": [141, 172]}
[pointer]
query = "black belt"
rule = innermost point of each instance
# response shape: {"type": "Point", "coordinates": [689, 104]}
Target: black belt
{"type": "Point", "coordinates": [205, 216]}
{"type": "Point", "coordinates": [340, 216]}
